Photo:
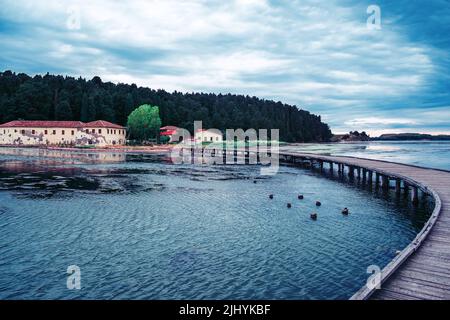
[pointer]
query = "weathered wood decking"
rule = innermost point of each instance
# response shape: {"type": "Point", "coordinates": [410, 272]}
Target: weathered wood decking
{"type": "Point", "coordinates": [421, 270]}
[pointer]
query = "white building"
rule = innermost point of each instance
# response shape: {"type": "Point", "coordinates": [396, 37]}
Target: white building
{"type": "Point", "coordinates": [68, 133]}
{"type": "Point", "coordinates": [212, 135]}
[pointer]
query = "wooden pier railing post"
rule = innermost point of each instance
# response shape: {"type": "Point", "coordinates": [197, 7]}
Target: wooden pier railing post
{"type": "Point", "coordinates": [351, 171]}
{"type": "Point", "coordinates": [406, 187]}
{"type": "Point", "coordinates": [398, 186]}
{"type": "Point", "coordinates": [415, 195]}
{"type": "Point", "coordinates": [385, 182]}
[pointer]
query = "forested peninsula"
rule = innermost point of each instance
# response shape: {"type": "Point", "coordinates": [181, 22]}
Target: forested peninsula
{"type": "Point", "coordinates": [57, 97]}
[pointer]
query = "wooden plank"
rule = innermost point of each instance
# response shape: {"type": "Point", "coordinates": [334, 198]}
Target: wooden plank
{"type": "Point", "coordinates": [387, 294]}
{"type": "Point", "coordinates": [424, 278]}
{"type": "Point", "coordinates": [425, 270]}
{"type": "Point", "coordinates": [415, 292]}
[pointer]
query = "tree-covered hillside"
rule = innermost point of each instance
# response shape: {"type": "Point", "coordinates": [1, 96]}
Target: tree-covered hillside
{"type": "Point", "coordinates": [52, 97]}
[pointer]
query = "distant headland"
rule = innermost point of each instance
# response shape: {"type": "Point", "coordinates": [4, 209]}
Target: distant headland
{"type": "Point", "coordinates": [410, 136]}
{"type": "Point", "coordinates": [354, 136]}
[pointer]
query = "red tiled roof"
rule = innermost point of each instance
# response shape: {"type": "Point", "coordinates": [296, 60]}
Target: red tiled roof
{"type": "Point", "coordinates": [168, 132]}
{"type": "Point", "coordinates": [59, 124]}
{"type": "Point", "coordinates": [102, 124]}
{"type": "Point", "coordinates": [169, 128]}
{"type": "Point", "coordinates": [42, 124]}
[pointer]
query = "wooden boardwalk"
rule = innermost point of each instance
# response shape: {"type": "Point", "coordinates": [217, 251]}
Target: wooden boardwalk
{"type": "Point", "coordinates": [422, 269]}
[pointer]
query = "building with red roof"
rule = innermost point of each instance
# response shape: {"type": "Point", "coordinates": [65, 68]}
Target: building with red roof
{"type": "Point", "coordinates": [42, 124]}
{"type": "Point", "coordinates": [170, 131]}
{"type": "Point", "coordinates": [37, 132]}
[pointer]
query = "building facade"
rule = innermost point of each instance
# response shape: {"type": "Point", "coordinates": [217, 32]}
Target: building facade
{"type": "Point", "coordinates": [62, 133]}
{"type": "Point", "coordinates": [212, 135]}
{"type": "Point", "coordinates": [200, 136]}
{"type": "Point", "coordinates": [170, 132]}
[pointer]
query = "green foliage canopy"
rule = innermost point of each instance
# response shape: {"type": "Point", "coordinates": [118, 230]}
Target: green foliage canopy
{"type": "Point", "coordinates": [144, 122]}
{"type": "Point", "coordinates": [54, 97]}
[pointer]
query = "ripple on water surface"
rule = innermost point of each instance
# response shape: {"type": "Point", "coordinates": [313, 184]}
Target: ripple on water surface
{"type": "Point", "coordinates": [146, 229]}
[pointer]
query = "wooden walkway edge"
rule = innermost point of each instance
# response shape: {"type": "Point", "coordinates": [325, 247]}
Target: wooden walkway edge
{"type": "Point", "coordinates": [422, 269]}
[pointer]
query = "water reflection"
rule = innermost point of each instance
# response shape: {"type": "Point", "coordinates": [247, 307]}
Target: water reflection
{"type": "Point", "coordinates": [42, 177]}
{"type": "Point", "coordinates": [72, 156]}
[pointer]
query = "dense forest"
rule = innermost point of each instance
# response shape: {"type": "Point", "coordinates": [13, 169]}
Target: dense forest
{"type": "Point", "coordinates": [411, 137]}
{"type": "Point", "coordinates": [52, 97]}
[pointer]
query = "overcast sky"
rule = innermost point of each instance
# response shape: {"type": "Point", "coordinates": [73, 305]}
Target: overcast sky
{"type": "Point", "coordinates": [320, 57]}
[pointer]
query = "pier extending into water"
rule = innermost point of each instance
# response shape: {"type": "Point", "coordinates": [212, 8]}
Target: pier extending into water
{"type": "Point", "coordinates": [422, 269]}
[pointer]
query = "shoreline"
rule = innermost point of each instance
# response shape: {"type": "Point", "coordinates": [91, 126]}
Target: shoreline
{"type": "Point", "coordinates": [123, 149]}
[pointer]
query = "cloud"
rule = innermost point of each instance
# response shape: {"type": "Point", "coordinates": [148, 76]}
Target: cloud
{"type": "Point", "coordinates": [320, 57]}
{"type": "Point", "coordinates": [375, 121]}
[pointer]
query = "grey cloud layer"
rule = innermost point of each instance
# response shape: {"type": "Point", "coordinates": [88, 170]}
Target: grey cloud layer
{"type": "Point", "coordinates": [322, 58]}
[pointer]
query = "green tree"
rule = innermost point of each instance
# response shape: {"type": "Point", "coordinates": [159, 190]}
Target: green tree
{"type": "Point", "coordinates": [144, 122]}
{"type": "Point", "coordinates": [63, 111]}
{"type": "Point", "coordinates": [84, 113]}
{"type": "Point", "coordinates": [93, 102]}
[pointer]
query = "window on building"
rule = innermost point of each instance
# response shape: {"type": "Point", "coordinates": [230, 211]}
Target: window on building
{"type": "Point", "coordinates": [93, 130]}
{"type": "Point", "coordinates": [107, 131]}
{"type": "Point", "coordinates": [33, 131]}
{"type": "Point", "coordinates": [211, 138]}
{"type": "Point", "coordinates": [15, 130]}
{"type": "Point", "coordinates": [87, 130]}
{"type": "Point", "coordinates": [63, 132]}
{"type": "Point", "coordinates": [206, 139]}
{"type": "Point", "coordinates": [22, 131]}
{"type": "Point", "coordinates": [217, 138]}
{"type": "Point", "coordinates": [54, 131]}
{"type": "Point", "coordinates": [100, 131]}
{"type": "Point", "coordinates": [73, 132]}
{"type": "Point", "coordinates": [45, 131]}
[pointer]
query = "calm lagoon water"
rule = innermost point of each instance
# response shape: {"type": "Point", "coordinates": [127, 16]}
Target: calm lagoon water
{"type": "Point", "coordinates": [432, 154]}
{"type": "Point", "coordinates": [142, 228]}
